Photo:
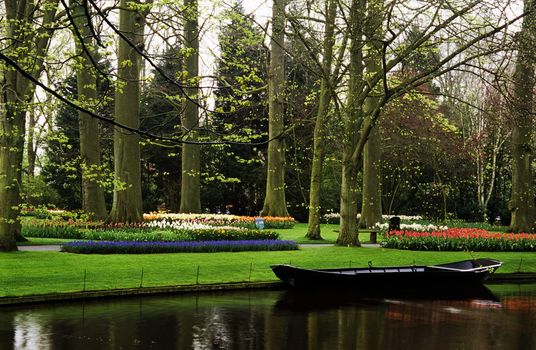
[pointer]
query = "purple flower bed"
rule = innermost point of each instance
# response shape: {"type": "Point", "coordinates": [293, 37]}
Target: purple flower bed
{"type": "Point", "coordinates": [131, 247]}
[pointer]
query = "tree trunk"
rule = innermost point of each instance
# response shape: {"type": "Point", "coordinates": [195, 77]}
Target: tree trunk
{"type": "Point", "coordinates": [191, 166]}
{"type": "Point", "coordinates": [90, 151]}
{"type": "Point", "coordinates": [31, 153]}
{"type": "Point", "coordinates": [22, 40]}
{"type": "Point", "coordinates": [522, 200]}
{"type": "Point", "coordinates": [12, 122]}
{"type": "Point", "coordinates": [371, 209]}
{"type": "Point", "coordinates": [275, 203]}
{"type": "Point", "coordinates": [127, 200]}
{"type": "Point", "coordinates": [313, 227]}
{"type": "Point", "coordinates": [348, 234]}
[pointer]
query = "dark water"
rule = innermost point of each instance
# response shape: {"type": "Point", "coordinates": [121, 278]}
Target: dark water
{"type": "Point", "coordinates": [505, 319]}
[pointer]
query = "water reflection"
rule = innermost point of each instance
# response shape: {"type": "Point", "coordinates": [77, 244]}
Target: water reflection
{"type": "Point", "coordinates": [279, 320]}
{"type": "Point", "coordinates": [30, 332]}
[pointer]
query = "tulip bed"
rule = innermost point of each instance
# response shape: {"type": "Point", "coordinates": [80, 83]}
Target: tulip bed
{"type": "Point", "coordinates": [149, 234]}
{"type": "Point", "coordinates": [460, 239]}
{"type": "Point", "coordinates": [270, 222]}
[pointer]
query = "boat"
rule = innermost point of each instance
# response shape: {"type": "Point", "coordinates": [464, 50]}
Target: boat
{"type": "Point", "coordinates": [450, 275]}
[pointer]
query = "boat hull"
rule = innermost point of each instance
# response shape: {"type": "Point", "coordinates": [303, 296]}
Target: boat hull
{"type": "Point", "coordinates": [467, 272]}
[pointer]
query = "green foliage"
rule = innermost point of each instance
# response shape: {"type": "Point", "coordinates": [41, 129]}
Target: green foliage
{"type": "Point", "coordinates": [161, 105]}
{"type": "Point", "coordinates": [426, 167]}
{"type": "Point", "coordinates": [233, 177]}
{"type": "Point", "coordinates": [62, 168]}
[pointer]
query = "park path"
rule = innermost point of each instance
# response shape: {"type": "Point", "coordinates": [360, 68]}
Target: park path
{"type": "Point", "coordinates": [41, 248]}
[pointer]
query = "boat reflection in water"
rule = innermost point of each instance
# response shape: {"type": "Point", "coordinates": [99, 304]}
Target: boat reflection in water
{"type": "Point", "coordinates": [504, 319]}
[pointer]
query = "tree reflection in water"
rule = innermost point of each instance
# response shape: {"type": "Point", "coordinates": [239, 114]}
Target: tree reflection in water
{"type": "Point", "coordinates": [277, 320]}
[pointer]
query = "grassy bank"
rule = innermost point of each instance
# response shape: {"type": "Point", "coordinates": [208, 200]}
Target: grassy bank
{"type": "Point", "coordinates": [28, 273]}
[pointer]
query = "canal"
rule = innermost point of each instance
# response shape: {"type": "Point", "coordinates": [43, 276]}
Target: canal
{"type": "Point", "coordinates": [503, 317]}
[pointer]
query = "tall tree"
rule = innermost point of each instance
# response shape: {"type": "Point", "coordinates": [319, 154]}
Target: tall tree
{"type": "Point", "coordinates": [522, 201]}
{"type": "Point", "coordinates": [191, 165]}
{"type": "Point", "coordinates": [326, 91]}
{"type": "Point", "coordinates": [28, 29]}
{"type": "Point", "coordinates": [127, 200]}
{"type": "Point", "coordinates": [275, 201]}
{"type": "Point", "coordinates": [235, 177]}
{"type": "Point", "coordinates": [353, 118]}
{"type": "Point", "coordinates": [90, 151]}
{"type": "Point", "coordinates": [371, 209]}
{"type": "Point", "coordinates": [394, 53]}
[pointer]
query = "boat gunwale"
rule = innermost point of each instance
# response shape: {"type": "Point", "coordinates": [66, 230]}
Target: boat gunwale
{"type": "Point", "coordinates": [407, 268]}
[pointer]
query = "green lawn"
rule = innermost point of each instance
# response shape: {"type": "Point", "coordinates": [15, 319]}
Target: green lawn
{"type": "Point", "coordinates": [27, 273]}
{"type": "Point", "coordinates": [329, 234]}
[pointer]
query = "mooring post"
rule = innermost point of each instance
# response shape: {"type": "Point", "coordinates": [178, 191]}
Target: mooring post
{"type": "Point", "coordinates": [197, 277]}
{"type": "Point", "coordinates": [85, 274]}
{"type": "Point", "coordinates": [250, 268]}
{"type": "Point", "coordinates": [141, 278]}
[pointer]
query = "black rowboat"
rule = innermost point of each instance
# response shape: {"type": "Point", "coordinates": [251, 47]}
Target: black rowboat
{"type": "Point", "coordinates": [456, 274]}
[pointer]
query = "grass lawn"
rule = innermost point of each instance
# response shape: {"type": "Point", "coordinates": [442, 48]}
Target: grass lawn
{"type": "Point", "coordinates": [27, 273]}
{"type": "Point", "coordinates": [329, 234]}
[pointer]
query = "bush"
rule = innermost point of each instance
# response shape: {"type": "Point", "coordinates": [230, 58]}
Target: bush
{"type": "Point", "coordinates": [123, 247]}
{"type": "Point", "coordinates": [459, 239]}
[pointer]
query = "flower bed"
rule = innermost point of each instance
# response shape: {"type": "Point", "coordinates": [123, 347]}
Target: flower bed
{"type": "Point", "coordinates": [334, 218]}
{"type": "Point", "coordinates": [411, 227]}
{"type": "Point", "coordinates": [50, 229]}
{"type": "Point", "coordinates": [151, 235]}
{"type": "Point", "coordinates": [161, 230]}
{"type": "Point", "coordinates": [272, 222]}
{"type": "Point", "coordinates": [122, 247]}
{"type": "Point", "coordinates": [456, 239]}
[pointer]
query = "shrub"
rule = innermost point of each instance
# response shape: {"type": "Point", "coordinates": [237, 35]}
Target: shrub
{"type": "Point", "coordinates": [456, 239]}
{"type": "Point", "coordinates": [127, 247]}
